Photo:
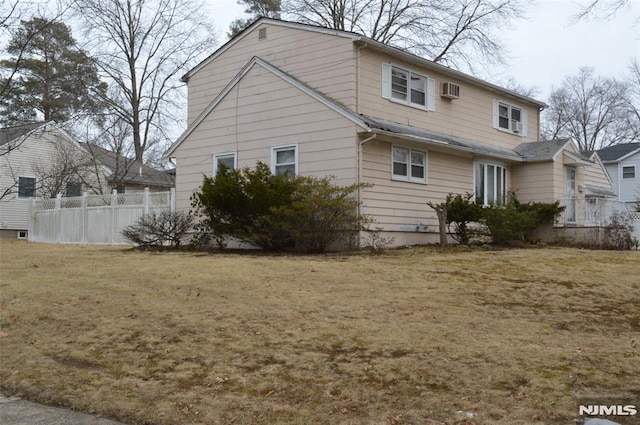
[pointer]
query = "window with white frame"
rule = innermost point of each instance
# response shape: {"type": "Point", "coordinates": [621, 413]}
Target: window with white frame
{"type": "Point", "coordinates": [490, 181]}
{"type": "Point", "coordinates": [408, 87]}
{"type": "Point", "coordinates": [507, 117]}
{"type": "Point", "coordinates": [227, 159]}
{"type": "Point", "coordinates": [409, 165]}
{"type": "Point", "coordinates": [26, 187]}
{"type": "Point", "coordinates": [284, 159]}
{"type": "Point", "coordinates": [629, 172]}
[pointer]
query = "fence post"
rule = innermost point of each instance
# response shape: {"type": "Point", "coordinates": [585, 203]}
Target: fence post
{"type": "Point", "coordinates": [85, 217]}
{"type": "Point", "coordinates": [114, 219]}
{"type": "Point", "coordinates": [57, 217]}
{"type": "Point", "coordinates": [145, 202]}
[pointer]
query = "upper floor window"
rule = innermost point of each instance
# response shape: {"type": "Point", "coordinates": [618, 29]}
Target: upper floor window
{"type": "Point", "coordinates": [490, 183]}
{"type": "Point", "coordinates": [227, 159]}
{"type": "Point", "coordinates": [409, 165]}
{"type": "Point", "coordinates": [284, 159]}
{"type": "Point", "coordinates": [73, 189]}
{"type": "Point", "coordinates": [408, 87]}
{"type": "Point", "coordinates": [629, 172]}
{"type": "Point", "coordinates": [26, 187]}
{"type": "Point", "coordinates": [507, 117]}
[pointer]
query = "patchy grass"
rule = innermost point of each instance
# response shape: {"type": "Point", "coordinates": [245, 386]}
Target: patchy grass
{"type": "Point", "coordinates": [410, 337]}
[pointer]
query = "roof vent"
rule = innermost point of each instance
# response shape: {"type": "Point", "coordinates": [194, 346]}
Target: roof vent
{"type": "Point", "coordinates": [450, 90]}
{"type": "Point", "coordinates": [262, 33]}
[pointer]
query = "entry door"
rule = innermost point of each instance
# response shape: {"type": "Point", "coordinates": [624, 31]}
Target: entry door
{"type": "Point", "coordinates": [570, 194]}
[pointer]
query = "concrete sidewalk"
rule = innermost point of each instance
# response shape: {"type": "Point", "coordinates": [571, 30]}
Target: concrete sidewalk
{"type": "Point", "coordinates": [14, 411]}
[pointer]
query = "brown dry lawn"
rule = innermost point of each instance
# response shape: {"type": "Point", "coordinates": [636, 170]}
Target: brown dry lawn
{"type": "Point", "coordinates": [410, 337]}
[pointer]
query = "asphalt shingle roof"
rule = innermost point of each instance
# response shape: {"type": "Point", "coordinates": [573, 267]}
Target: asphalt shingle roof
{"type": "Point", "coordinates": [542, 150]}
{"type": "Point", "coordinates": [134, 171]}
{"type": "Point", "coordinates": [9, 134]}
{"type": "Point", "coordinates": [455, 142]}
{"type": "Point", "coordinates": [615, 152]}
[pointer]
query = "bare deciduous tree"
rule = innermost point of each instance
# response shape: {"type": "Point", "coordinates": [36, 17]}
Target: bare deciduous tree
{"type": "Point", "coordinates": [142, 47]}
{"type": "Point", "coordinates": [606, 9]}
{"type": "Point", "coordinates": [67, 166]}
{"type": "Point", "coordinates": [591, 109]}
{"type": "Point", "coordinates": [456, 33]}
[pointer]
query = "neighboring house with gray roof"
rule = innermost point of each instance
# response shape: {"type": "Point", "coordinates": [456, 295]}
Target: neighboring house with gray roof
{"type": "Point", "coordinates": [320, 102]}
{"type": "Point", "coordinates": [127, 175]}
{"type": "Point", "coordinates": [622, 162]}
{"type": "Point", "coordinates": [40, 160]}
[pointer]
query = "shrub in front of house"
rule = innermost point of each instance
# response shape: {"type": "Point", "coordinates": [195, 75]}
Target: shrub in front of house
{"type": "Point", "coordinates": [276, 212]}
{"type": "Point", "coordinates": [516, 221]}
{"type": "Point", "coordinates": [502, 222]}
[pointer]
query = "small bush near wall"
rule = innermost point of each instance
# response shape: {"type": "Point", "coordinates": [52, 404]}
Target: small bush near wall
{"type": "Point", "coordinates": [460, 211]}
{"type": "Point", "coordinates": [619, 232]}
{"type": "Point", "coordinates": [501, 222]}
{"type": "Point", "coordinates": [515, 221]}
{"type": "Point", "coordinates": [276, 212]}
{"type": "Point", "coordinates": [164, 229]}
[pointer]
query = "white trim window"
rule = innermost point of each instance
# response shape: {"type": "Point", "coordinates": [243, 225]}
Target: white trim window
{"type": "Point", "coordinates": [284, 159]}
{"type": "Point", "coordinates": [490, 183]}
{"type": "Point", "coordinates": [228, 159]}
{"type": "Point", "coordinates": [629, 172]}
{"type": "Point", "coordinates": [408, 87]}
{"type": "Point", "coordinates": [26, 187]}
{"type": "Point", "coordinates": [509, 118]}
{"type": "Point", "coordinates": [408, 165]}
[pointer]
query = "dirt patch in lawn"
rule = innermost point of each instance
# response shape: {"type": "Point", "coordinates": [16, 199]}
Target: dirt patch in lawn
{"type": "Point", "coordinates": [418, 336]}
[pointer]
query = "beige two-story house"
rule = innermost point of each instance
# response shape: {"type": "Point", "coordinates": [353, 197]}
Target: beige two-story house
{"type": "Point", "coordinates": [316, 101]}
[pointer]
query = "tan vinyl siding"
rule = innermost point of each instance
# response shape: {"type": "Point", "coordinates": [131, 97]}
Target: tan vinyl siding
{"type": "Point", "coordinates": [531, 182]}
{"type": "Point", "coordinates": [323, 61]}
{"type": "Point", "coordinates": [260, 112]}
{"type": "Point", "coordinates": [470, 116]}
{"type": "Point", "coordinates": [400, 206]}
{"type": "Point", "coordinates": [596, 175]}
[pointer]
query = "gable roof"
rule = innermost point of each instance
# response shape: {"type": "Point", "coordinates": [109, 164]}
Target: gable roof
{"type": "Point", "coordinates": [256, 61]}
{"type": "Point", "coordinates": [618, 152]}
{"type": "Point", "coordinates": [134, 171]}
{"type": "Point", "coordinates": [9, 134]}
{"type": "Point", "coordinates": [362, 40]}
{"type": "Point", "coordinates": [548, 150]}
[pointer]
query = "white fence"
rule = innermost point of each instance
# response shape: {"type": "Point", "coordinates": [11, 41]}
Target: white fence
{"type": "Point", "coordinates": [596, 212]}
{"type": "Point", "coordinates": [93, 219]}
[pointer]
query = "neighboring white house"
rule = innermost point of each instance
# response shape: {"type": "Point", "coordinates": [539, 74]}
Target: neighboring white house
{"type": "Point", "coordinates": [41, 160]}
{"type": "Point", "coordinates": [29, 154]}
{"type": "Point", "coordinates": [622, 162]}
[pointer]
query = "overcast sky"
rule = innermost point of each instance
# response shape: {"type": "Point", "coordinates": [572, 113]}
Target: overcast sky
{"type": "Point", "coordinates": [544, 48]}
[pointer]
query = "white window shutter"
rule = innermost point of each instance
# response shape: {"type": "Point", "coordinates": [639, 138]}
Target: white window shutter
{"type": "Point", "coordinates": [525, 121]}
{"type": "Point", "coordinates": [386, 80]}
{"type": "Point", "coordinates": [431, 94]}
{"type": "Point", "coordinates": [495, 113]}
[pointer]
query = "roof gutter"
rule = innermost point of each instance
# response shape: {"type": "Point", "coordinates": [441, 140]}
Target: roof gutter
{"type": "Point", "coordinates": [439, 143]}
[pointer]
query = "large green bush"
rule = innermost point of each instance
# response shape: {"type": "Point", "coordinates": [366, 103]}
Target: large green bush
{"type": "Point", "coordinates": [502, 222]}
{"type": "Point", "coordinates": [276, 212]}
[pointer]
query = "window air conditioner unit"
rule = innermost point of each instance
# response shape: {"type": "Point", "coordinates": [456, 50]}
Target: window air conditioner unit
{"type": "Point", "coordinates": [516, 126]}
{"type": "Point", "coordinates": [450, 90]}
